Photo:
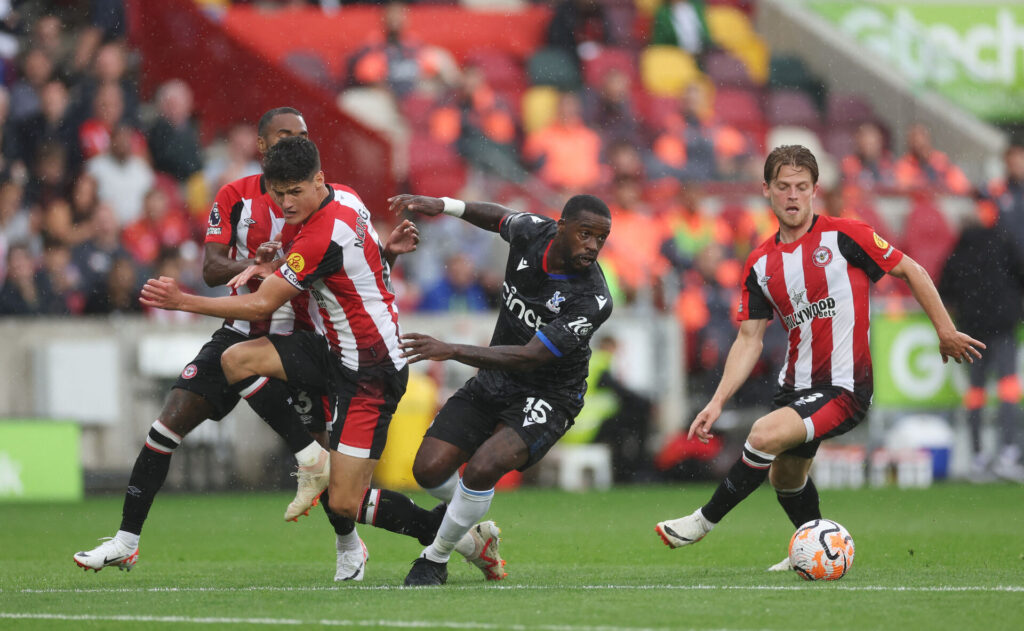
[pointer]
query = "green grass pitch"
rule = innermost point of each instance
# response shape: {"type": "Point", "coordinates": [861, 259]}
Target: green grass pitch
{"type": "Point", "coordinates": [948, 557]}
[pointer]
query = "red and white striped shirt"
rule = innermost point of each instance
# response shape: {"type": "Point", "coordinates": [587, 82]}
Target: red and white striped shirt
{"type": "Point", "coordinates": [243, 217]}
{"type": "Point", "coordinates": [818, 285]}
{"type": "Point", "coordinates": [338, 261]}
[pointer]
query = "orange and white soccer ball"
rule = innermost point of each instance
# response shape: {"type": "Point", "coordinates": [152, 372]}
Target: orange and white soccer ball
{"type": "Point", "coordinates": [821, 550]}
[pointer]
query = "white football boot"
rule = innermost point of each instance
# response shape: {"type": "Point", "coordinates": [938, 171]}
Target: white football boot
{"type": "Point", "coordinates": [312, 482]}
{"type": "Point", "coordinates": [685, 530]}
{"type": "Point", "coordinates": [352, 563]}
{"type": "Point", "coordinates": [782, 566]}
{"type": "Point", "coordinates": [485, 553]}
{"type": "Point", "coordinates": [110, 553]}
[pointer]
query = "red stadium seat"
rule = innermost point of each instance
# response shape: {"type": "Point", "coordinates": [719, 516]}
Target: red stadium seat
{"type": "Point", "coordinates": [740, 108]}
{"type": "Point", "coordinates": [610, 59]}
{"type": "Point", "coordinates": [792, 107]}
{"type": "Point", "coordinates": [847, 110]}
{"type": "Point", "coordinates": [727, 71]}
{"type": "Point", "coordinates": [504, 72]}
{"type": "Point", "coordinates": [435, 168]}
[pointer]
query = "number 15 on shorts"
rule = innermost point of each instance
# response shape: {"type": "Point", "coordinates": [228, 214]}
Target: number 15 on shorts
{"type": "Point", "coordinates": [536, 411]}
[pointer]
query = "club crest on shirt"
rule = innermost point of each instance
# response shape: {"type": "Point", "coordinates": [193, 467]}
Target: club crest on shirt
{"type": "Point", "coordinates": [880, 242]}
{"type": "Point", "coordinates": [822, 256]}
{"type": "Point", "coordinates": [214, 215]}
{"type": "Point", "coordinates": [296, 263]}
{"type": "Point", "coordinates": [189, 372]}
{"type": "Point", "coordinates": [554, 304]}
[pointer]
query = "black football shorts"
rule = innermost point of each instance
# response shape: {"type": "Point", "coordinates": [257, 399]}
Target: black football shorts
{"type": "Point", "coordinates": [205, 377]}
{"type": "Point", "coordinates": [826, 412]}
{"type": "Point", "coordinates": [472, 415]}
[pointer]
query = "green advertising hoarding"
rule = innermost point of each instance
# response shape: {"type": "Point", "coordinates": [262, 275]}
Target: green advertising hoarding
{"type": "Point", "coordinates": [40, 460]}
{"type": "Point", "coordinates": [909, 372]}
{"type": "Point", "coordinates": [970, 52]}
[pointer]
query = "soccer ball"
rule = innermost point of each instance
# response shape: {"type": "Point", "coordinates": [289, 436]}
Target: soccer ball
{"type": "Point", "coordinates": [821, 549]}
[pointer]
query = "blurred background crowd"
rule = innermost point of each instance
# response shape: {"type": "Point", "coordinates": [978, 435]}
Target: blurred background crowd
{"type": "Point", "coordinates": [664, 108]}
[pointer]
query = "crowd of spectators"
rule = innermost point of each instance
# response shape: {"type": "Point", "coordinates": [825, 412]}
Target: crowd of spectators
{"type": "Point", "coordinates": [100, 188]}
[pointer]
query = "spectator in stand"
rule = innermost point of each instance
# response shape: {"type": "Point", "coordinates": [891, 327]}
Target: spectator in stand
{"type": "Point", "coordinates": [926, 168]}
{"type": "Point", "coordinates": [107, 22]}
{"type": "Point", "coordinates": [396, 61]}
{"type": "Point", "coordinates": [983, 284]}
{"type": "Point", "coordinates": [48, 36]}
{"type": "Point", "coordinates": [107, 113]}
{"type": "Point", "coordinates": [15, 221]}
{"type": "Point", "coordinates": [174, 137]}
{"type": "Point", "coordinates": [118, 293]}
{"type": "Point", "coordinates": [632, 248]}
{"type": "Point", "coordinates": [94, 257]}
{"type": "Point", "coordinates": [19, 295]}
{"type": "Point", "coordinates": [238, 159]}
{"type": "Point", "coordinates": [870, 166]}
{"type": "Point", "coordinates": [109, 68]}
{"type": "Point", "coordinates": [691, 230]}
{"type": "Point", "coordinates": [84, 199]}
{"type": "Point", "coordinates": [459, 291]}
{"type": "Point", "coordinates": [51, 125]}
{"type": "Point", "coordinates": [123, 179]}
{"type": "Point", "coordinates": [36, 70]}
{"type": "Point", "coordinates": [566, 152]}
{"type": "Point", "coordinates": [609, 109]}
{"type": "Point", "coordinates": [8, 135]}
{"type": "Point", "coordinates": [49, 179]}
{"type": "Point", "coordinates": [682, 23]}
{"type": "Point", "coordinates": [488, 133]}
{"type": "Point", "coordinates": [1008, 194]}
{"type": "Point", "coordinates": [691, 146]}
{"type": "Point", "coordinates": [57, 282]}
{"type": "Point", "coordinates": [56, 226]}
{"type": "Point", "coordinates": [159, 227]}
{"type": "Point", "coordinates": [581, 28]}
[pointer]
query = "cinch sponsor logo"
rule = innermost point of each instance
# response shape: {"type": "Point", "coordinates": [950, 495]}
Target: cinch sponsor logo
{"type": "Point", "coordinates": [517, 307]}
{"type": "Point", "coordinates": [824, 308]}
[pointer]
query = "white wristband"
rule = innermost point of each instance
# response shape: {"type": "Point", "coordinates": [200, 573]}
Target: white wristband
{"type": "Point", "coordinates": [453, 207]}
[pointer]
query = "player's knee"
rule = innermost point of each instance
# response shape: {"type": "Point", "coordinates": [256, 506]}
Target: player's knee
{"type": "Point", "coordinates": [483, 475]}
{"type": "Point", "coordinates": [428, 473]}
{"type": "Point", "coordinates": [237, 362]}
{"type": "Point", "coordinates": [764, 439]}
{"type": "Point", "coordinates": [347, 507]}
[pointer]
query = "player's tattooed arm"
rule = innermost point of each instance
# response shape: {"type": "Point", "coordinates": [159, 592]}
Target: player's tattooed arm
{"type": "Point", "coordinates": [219, 268]}
{"type": "Point", "coordinates": [486, 215]}
{"type": "Point", "coordinates": [418, 347]}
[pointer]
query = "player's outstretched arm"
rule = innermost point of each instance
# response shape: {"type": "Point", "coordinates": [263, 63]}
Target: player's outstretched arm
{"type": "Point", "coordinates": [743, 355]}
{"type": "Point", "coordinates": [484, 215]}
{"type": "Point", "coordinates": [952, 343]}
{"type": "Point", "coordinates": [418, 347]}
{"type": "Point", "coordinates": [219, 268]}
{"type": "Point", "coordinates": [164, 293]}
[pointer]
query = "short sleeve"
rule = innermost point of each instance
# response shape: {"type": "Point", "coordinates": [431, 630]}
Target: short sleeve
{"type": "Point", "coordinates": [219, 225]}
{"type": "Point", "coordinates": [521, 226]}
{"type": "Point", "coordinates": [573, 329]}
{"type": "Point", "coordinates": [866, 249]}
{"type": "Point", "coordinates": [754, 305]}
{"type": "Point", "coordinates": [311, 257]}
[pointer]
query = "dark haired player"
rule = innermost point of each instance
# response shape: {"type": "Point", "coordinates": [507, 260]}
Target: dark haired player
{"type": "Point", "coordinates": [241, 226]}
{"type": "Point", "coordinates": [336, 275]}
{"type": "Point", "coordinates": [532, 377]}
{"type": "Point", "coordinates": [814, 274]}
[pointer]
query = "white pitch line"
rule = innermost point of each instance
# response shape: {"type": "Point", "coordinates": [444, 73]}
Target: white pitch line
{"type": "Point", "coordinates": [393, 624]}
{"type": "Point", "coordinates": [699, 587]}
